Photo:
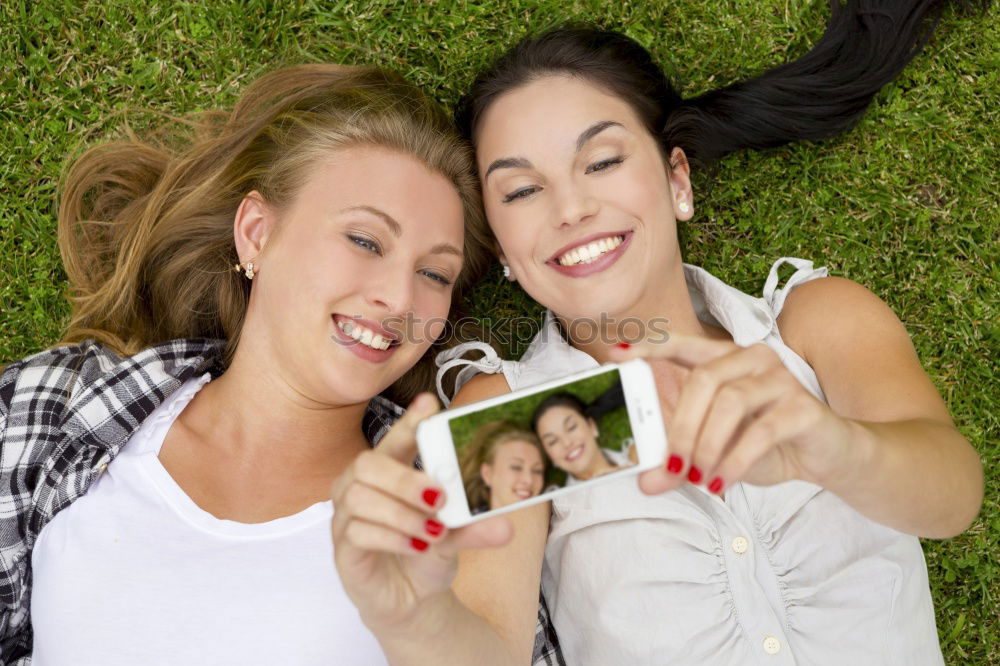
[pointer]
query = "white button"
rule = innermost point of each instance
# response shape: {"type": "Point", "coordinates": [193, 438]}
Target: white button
{"type": "Point", "coordinates": [740, 545]}
{"type": "Point", "coordinates": [772, 645]}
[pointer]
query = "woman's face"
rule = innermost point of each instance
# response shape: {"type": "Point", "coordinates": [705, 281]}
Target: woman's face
{"type": "Point", "coordinates": [517, 473]}
{"type": "Point", "coordinates": [570, 440]}
{"type": "Point", "coordinates": [579, 196]}
{"type": "Point", "coordinates": [373, 238]}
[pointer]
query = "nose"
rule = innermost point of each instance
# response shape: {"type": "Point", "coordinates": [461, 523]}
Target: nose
{"type": "Point", "coordinates": [574, 204]}
{"type": "Point", "coordinates": [391, 290]}
{"type": "Point", "coordinates": [524, 478]}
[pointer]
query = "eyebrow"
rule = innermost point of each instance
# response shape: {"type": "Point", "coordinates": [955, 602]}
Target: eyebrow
{"type": "Point", "coordinates": [522, 163]}
{"type": "Point", "coordinates": [397, 230]}
{"type": "Point", "coordinates": [446, 248]}
{"type": "Point", "coordinates": [393, 225]}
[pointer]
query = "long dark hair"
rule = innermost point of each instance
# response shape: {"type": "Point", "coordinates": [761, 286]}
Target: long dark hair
{"type": "Point", "coordinates": [867, 43]}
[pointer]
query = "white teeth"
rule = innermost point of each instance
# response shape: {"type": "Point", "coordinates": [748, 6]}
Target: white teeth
{"type": "Point", "coordinates": [364, 335]}
{"type": "Point", "coordinates": [588, 253]}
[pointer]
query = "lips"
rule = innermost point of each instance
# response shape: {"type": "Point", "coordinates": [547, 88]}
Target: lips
{"type": "Point", "coordinates": [591, 254]}
{"type": "Point", "coordinates": [365, 332]}
{"type": "Point", "coordinates": [574, 453]}
{"type": "Point", "coordinates": [372, 342]}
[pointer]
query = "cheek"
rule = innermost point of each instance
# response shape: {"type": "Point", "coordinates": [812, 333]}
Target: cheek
{"type": "Point", "coordinates": [513, 229]}
{"type": "Point", "coordinates": [430, 314]}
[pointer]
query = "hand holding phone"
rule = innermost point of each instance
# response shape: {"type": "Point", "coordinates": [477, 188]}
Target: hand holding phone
{"type": "Point", "coordinates": [528, 446]}
{"type": "Point", "coordinates": [384, 508]}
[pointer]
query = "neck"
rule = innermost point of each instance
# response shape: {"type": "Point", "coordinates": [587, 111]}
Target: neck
{"type": "Point", "coordinates": [263, 420]}
{"type": "Point", "coordinates": [600, 466]}
{"type": "Point", "coordinates": [663, 309]}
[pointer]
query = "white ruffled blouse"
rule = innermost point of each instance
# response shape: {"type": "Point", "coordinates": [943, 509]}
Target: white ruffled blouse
{"type": "Point", "coordinates": [785, 574]}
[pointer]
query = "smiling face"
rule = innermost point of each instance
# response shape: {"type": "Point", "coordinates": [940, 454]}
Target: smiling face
{"type": "Point", "coordinates": [516, 473]}
{"type": "Point", "coordinates": [579, 197]}
{"type": "Point", "coordinates": [570, 440]}
{"type": "Point", "coordinates": [373, 237]}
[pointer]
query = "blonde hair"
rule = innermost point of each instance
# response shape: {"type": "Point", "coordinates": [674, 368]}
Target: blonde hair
{"type": "Point", "coordinates": [146, 226]}
{"type": "Point", "coordinates": [483, 448]}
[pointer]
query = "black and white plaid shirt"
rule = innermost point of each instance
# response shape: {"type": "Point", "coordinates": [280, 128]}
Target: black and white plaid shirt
{"type": "Point", "coordinates": [65, 413]}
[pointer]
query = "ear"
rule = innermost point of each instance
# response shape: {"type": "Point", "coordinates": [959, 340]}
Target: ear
{"type": "Point", "coordinates": [593, 427]}
{"type": "Point", "coordinates": [497, 250]}
{"type": "Point", "coordinates": [679, 176]}
{"type": "Point", "coordinates": [486, 471]}
{"type": "Point", "coordinates": [252, 226]}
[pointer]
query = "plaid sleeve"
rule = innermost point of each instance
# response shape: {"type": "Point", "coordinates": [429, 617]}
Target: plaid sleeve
{"type": "Point", "coordinates": [547, 651]}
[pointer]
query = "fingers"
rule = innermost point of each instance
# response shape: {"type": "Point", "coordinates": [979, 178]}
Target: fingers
{"type": "Point", "coordinates": [782, 423]}
{"type": "Point", "coordinates": [372, 507]}
{"type": "Point", "coordinates": [390, 476]}
{"type": "Point", "coordinates": [687, 350]}
{"type": "Point", "coordinates": [400, 443]}
{"type": "Point", "coordinates": [489, 533]}
{"type": "Point", "coordinates": [735, 405]}
{"type": "Point", "coordinates": [713, 401]}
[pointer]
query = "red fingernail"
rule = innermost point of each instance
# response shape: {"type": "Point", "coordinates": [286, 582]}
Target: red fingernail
{"type": "Point", "coordinates": [433, 527]}
{"type": "Point", "coordinates": [694, 474]}
{"type": "Point", "coordinates": [715, 486]}
{"type": "Point", "coordinates": [431, 496]}
{"type": "Point", "coordinates": [623, 345]}
{"type": "Point", "coordinates": [675, 464]}
{"type": "Point", "coordinates": [418, 544]}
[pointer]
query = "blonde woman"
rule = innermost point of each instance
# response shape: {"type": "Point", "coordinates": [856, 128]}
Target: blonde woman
{"type": "Point", "coordinates": [504, 463]}
{"type": "Point", "coordinates": [166, 469]}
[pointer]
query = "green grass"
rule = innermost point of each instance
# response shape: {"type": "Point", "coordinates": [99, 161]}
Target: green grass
{"type": "Point", "coordinates": [906, 204]}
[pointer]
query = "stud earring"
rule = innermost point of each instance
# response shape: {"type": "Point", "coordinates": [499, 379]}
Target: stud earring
{"type": "Point", "coordinates": [506, 272]}
{"type": "Point", "coordinates": [684, 207]}
{"type": "Point", "coordinates": [247, 270]}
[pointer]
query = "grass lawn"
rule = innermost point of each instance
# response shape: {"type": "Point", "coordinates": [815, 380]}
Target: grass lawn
{"type": "Point", "coordinates": [906, 204]}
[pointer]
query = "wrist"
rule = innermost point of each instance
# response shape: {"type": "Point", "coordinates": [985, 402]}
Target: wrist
{"type": "Point", "coordinates": [858, 459]}
{"type": "Point", "coordinates": [428, 623]}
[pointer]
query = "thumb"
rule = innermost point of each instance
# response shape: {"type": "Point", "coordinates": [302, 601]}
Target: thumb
{"type": "Point", "coordinates": [489, 533]}
{"type": "Point", "coordinates": [400, 442]}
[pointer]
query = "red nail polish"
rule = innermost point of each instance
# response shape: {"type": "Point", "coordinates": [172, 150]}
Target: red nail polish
{"type": "Point", "coordinates": [418, 544]}
{"type": "Point", "coordinates": [715, 486]}
{"type": "Point", "coordinates": [431, 496]}
{"type": "Point", "coordinates": [694, 474]}
{"type": "Point", "coordinates": [623, 345]}
{"type": "Point", "coordinates": [433, 527]}
{"type": "Point", "coordinates": [675, 464]}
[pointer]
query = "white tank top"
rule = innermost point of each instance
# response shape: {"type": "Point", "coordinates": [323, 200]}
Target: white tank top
{"type": "Point", "coordinates": [786, 574]}
{"type": "Point", "coordinates": [134, 572]}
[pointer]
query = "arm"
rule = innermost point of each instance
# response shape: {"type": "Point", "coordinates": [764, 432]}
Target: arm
{"type": "Point", "coordinates": [502, 585]}
{"type": "Point", "coordinates": [908, 467]}
{"type": "Point", "coordinates": [885, 442]}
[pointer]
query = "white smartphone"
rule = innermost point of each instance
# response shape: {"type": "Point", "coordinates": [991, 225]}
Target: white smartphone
{"type": "Point", "coordinates": [529, 446]}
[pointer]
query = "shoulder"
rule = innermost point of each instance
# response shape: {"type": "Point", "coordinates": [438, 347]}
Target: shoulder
{"type": "Point", "coordinates": [55, 369]}
{"type": "Point", "coordinates": [481, 387]}
{"type": "Point", "coordinates": [827, 314]}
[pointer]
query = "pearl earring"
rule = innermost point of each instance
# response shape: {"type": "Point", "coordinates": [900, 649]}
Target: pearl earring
{"type": "Point", "coordinates": [506, 272]}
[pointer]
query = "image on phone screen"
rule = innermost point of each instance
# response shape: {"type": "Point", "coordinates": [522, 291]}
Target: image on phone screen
{"type": "Point", "coordinates": [543, 442]}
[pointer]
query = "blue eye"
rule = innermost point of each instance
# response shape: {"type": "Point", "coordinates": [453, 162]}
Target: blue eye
{"type": "Point", "coordinates": [520, 194]}
{"type": "Point", "coordinates": [367, 243]}
{"type": "Point", "coordinates": [437, 277]}
{"type": "Point", "coordinates": [603, 165]}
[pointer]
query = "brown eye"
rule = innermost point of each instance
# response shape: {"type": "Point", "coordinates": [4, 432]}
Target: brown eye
{"type": "Point", "coordinates": [604, 164]}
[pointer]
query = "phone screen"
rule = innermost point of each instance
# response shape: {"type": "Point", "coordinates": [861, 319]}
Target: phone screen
{"type": "Point", "coordinates": [545, 441]}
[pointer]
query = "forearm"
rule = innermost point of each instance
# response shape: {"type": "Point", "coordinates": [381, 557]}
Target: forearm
{"type": "Point", "coordinates": [917, 476]}
{"type": "Point", "coordinates": [447, 633]}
